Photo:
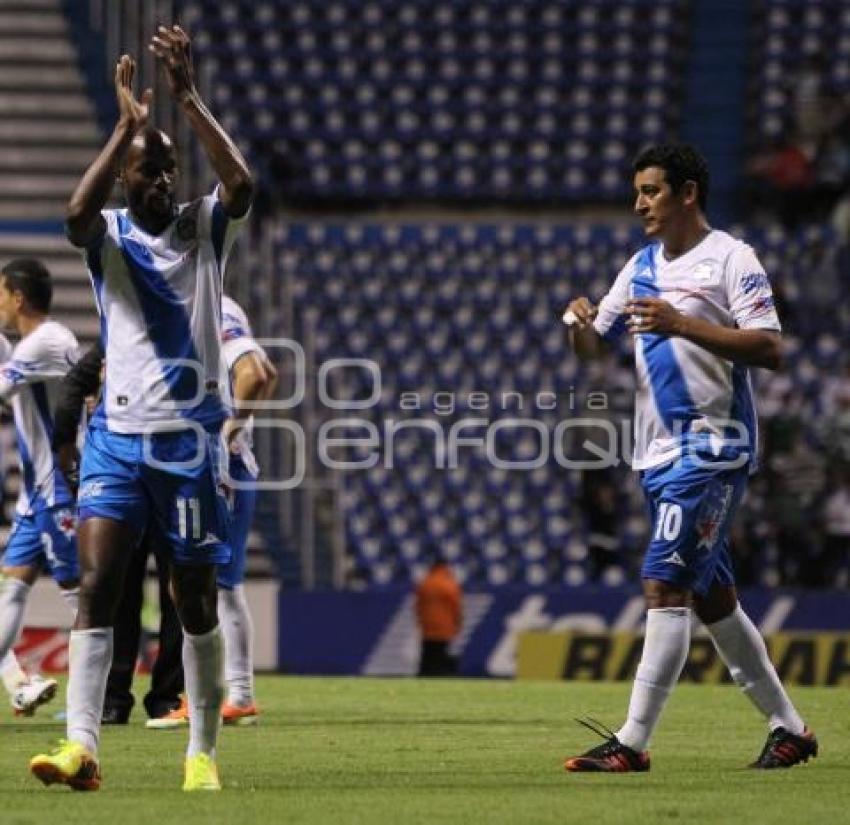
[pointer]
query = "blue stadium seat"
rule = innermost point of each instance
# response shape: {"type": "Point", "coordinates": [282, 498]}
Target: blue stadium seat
{"type": "Point", "coordinates": [514, 89]}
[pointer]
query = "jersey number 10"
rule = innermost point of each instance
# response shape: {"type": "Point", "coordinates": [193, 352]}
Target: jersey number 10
{"type": "Point", "coordinates": [669, 521]}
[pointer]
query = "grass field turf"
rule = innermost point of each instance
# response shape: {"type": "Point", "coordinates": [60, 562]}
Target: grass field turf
{"type": "Point", "coordinates": [409, 751]}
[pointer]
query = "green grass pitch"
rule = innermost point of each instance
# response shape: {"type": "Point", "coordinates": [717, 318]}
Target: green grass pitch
{"type": "Point", "coordinates": [376, 751]}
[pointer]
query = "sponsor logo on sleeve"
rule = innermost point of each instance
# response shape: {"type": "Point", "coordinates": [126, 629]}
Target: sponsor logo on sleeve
{"type": "Point", "coordinates": [753, 282]}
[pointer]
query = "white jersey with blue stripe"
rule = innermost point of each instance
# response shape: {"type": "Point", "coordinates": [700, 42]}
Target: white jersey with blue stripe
{"type": "Point", "coordinates": [31, 381]}
{"type": "Point", "coordinates": [685, 394]}
{"type": "Point", "coordinates": [159, 299]}
{"type": "Point", "coordinates": [237, 340]}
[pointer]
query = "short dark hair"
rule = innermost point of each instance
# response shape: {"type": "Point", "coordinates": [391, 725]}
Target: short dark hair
{"type": "Point", "coordinates": [680, 162]}
{"type": "Point", "coordinates": [32, 279]}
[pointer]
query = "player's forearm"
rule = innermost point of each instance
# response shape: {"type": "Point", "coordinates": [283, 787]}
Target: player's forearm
{"type": "Point", "coordinates": [82, 380]}
{"type": "Point", "coordinates": [223, 154]}
{"type": "Point", "coordinates": [586, 343]}
{"type": "Point", "coordinates": [251, 383]}
{"type": "Point", "coordinates": [750, 347]}
{"type": "Point", "coordinates": [95, 187]}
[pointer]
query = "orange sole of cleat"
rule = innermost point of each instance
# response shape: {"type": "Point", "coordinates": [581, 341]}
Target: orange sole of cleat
{"type": "Point", "coordinates": [241, 715]}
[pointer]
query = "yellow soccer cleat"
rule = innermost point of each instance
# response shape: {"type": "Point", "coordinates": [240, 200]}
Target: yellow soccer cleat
{"type": "Point", "coordinates": [70, 764]}
{"type": "Point", "coordinates": [201, 774]}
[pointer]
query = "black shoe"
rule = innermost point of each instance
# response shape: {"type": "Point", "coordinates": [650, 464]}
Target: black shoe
{"type": "Point", "coordinates": [612, 756]}
{"type": "Point", "coordinates": [784, 749]}
{"type": "Point", "coordinates": [114, 716]}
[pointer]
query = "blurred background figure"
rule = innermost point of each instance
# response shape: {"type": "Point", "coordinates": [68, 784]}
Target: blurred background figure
{"type": "Point", "coordinates": [599, 501]}
{"type": "Point", "coordinates": [439, 613]}
{"type": "Point", "coordinates": [836, 518]}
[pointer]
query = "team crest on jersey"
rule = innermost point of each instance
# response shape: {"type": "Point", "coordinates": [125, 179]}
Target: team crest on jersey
{"type": "Point", "coordinates": [705, 271]}
{"type": "Point", "coordinates": [713, 514]}
{"type": "Point", "coordinates": [66, 521]}
{"type": "Point", "coordinates": [186, 228]}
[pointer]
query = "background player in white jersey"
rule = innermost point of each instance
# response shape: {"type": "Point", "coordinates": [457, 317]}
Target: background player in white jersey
{"type": "Point", "coordinates": [700, 307]}
{"type": "Point", "coordinates": [152, 446]}
{"type": "Point", "coordinates": [253, 379]}
{"type": "Point", "coordinates": [26, 691]}
{"type": "Point", "coordinates": [43, 532]}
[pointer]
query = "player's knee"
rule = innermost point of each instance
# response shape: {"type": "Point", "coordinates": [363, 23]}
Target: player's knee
{"type": "Point", "coordinates": [716, 605]}
{"type": "Point", "coordinates": [195, 597]}
{"type": "Point", "coordinates": [198, 613]}
{"type": "Point", "coordinates": [98, 600]}
{"type": "Point", "coordinates": [660, 594]}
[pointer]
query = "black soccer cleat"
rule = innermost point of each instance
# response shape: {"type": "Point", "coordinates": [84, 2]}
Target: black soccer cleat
{"type": "Point", "coordinates": [612, 756]}
{"type": "Point", "coordinates": [784, 749]}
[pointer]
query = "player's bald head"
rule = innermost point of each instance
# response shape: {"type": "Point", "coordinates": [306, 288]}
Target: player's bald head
{"type": "Point", "coordinates": [149, 142]}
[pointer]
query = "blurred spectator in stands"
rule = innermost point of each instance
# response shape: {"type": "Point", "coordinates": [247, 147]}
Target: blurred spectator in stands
{"type": "Point", "coordinates": [836, 520]}
{"type": "Point", "coordinates": [780, 180]}
{"type": "Point", "coordinates": [807, 92]}
{"type": "Point", "coordinates": [796, 475]}
{"type": "Point", "coordinates": [602, 515]}
{"type": "Point", "coordinates": [832, 168]}
{"type": "Point", "coordinates": [834, 431]}
{"type": "Point", "coordinates": [745, 548]}
{"type": "Point", "coordinates": [836, 168]}
{"type": "Point", "coordinates": [817, 274]}
{"type": "Point", "coordinates": [439, 612]}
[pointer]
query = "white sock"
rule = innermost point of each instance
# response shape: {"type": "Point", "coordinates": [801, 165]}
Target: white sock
{"type": "Point", "coordinates": [11, 672]}
{"type": "Point", "coordinates": [72, 599]}
{"type": "Point", "coordinates": [90, 657]}
{"type": "Point", "coordinates": [203, 666]}
{"type": "Point", "coordinates": [742, 648]}
{"type": "Point", "coordinates": [13, 602]}
{"type": "Point", "coordinates": [665, 648]}
{"type": "Point", "coordinates": [238, 632]}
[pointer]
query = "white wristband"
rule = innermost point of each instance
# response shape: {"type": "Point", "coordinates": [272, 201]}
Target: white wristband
{"type": "Point", "coordinates": [570, 318]}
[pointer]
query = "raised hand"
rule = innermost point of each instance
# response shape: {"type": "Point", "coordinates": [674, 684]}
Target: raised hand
{"type": "Point", "coordinates": [174, 50]}
{"type": "Point", "coordinates": [134, 112]}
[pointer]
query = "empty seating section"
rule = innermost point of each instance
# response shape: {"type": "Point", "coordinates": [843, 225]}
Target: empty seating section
{"type": "Point", "coordinates": [466, 100]}
{"type": "Point", "coordinates": [801, 48]}
{"type": "Point", "coordinates": [459, 317]}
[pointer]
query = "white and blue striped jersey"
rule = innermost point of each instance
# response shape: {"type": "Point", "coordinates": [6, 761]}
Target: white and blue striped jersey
{"type": "Point", "coordinates": [685, 394]}
{"type": "Point", "coordinates": [30, 380]}
{"type": "Point", "coordinates": [237, 340]}
{"type": "Point", "coordinates": [159, 299]}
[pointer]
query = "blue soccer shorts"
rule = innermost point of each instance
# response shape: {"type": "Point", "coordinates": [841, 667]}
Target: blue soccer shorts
{"type": "Point", "coordinates": [136, 478]}
{"type": "Point", "coordinates": [691, 507]}
{"type": "Point", "coordinates": [242, 504]}
{"type": "Point", "coordinates": [45, 538]}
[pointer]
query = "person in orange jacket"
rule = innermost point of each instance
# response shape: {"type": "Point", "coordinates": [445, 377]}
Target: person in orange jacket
{"type": "Point", "coordinates": [439, 613]}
